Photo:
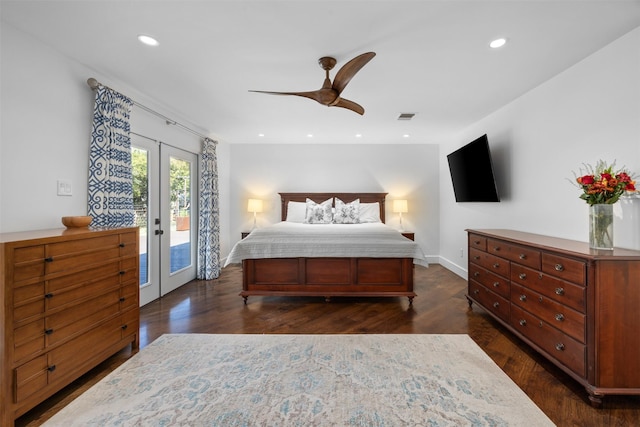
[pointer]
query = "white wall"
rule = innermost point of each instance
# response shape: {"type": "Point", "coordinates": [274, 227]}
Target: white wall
{"type": "Point", "coordinates": [405, 171]}
{"type": "Point", "coordinates": [589, 112]}
{"type": "Point", "coordinates": [46, 115]}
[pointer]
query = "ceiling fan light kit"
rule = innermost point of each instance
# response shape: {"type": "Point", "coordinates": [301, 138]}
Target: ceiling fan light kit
{"type": "Point", "coordinates": [329, 93]}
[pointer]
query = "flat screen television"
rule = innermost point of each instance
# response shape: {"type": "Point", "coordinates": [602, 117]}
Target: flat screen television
{"type": "Point", "coordinates": [472, 172]}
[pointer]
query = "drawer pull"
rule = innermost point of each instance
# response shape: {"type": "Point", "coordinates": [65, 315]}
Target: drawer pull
{"type": "Point", "coordinates": [121, 245]}
{"type": "Point", "coordinates": [48, 259]}
{"type": "Point", "coordinates": [559, 267]}
{"type": "Point", "coordinates": [48, 331]}
{"type": "Point", "coordinates": [496, 265]}
{"type": "Point", "coordinates": [523, 297]}
{"type": "Point", "coordinates": [476, 257]}
{"type": "Point", "coordinates": [559, 291]}
{"type": "Point", "coordinates": [51, 368]}
{"type": "Point", "coordinates": [122, 273]}
{"type": "Point", "coordinates": [124, 327]}
{"type": "Point", "coordinates": [476, 242]}
{"type": "Point", "coordinates": [522, 276]}
{"type": "Point", "coordinates": [560, 346]}
{"type": "Point", "coordinates": [496, 284]}
{"type": "Point", "coordinates": [496, 248]}
{"type": "Point", "coordinates": [496, 304]}
{"type": "Point", "coordinates": [122, 299]}
{"type": "Point", "coordinates": [522, 256]}
{"type": "Point", "coordinates": [539, 299]}
{"type": "Point", "coordinates": [476, 291]}
{"type": "Point", "coordinates": [48, 296]}
{"type": "Point", "coordinates": [523, 322]}
{"type": "Point", "coordinates": [559, 317]}
{"type": "Point", "coordinates": [476, 274]}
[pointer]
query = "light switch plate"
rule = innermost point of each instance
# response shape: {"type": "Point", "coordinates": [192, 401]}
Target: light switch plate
{"type": "Point", "coordinates": [64, 187]}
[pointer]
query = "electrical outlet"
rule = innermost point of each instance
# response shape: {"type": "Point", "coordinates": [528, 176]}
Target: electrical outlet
{"type": "Point", "coordinates": [461, 252]}
{"type": "Point", "coordinates": [64, 187]}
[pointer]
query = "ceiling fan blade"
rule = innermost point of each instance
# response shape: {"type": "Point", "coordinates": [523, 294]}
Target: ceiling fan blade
{"type": "Point", "coordinates": [311, 95]}
{"type": "Point", "coordinates": [349, 105]}
{"type": "Point", "coordinates": [348, 70]}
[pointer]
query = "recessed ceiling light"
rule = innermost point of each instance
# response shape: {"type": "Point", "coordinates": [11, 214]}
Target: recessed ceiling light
{"type": "Point", "coordinates": [261, 134]}
{"type": "Point", "coordinates": [358, 135]}
{"type": "Point", "coordinates": [497, 43]}
{"type": "Point", "coordinates": [309, 135]}
{"type": "Point", "coordinates": [148, 40]}
{"type": "Point", "coordinates": [406, 135]}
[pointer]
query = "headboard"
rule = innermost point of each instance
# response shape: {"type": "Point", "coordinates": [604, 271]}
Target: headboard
{"type": "Point", "coordinates": [321, 197]}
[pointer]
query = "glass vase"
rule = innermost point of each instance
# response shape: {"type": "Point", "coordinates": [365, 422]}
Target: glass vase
{"type": "Point", "coordinates": [601, 226]}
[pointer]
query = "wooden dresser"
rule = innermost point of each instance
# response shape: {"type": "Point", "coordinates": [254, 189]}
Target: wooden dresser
{"type": "Point", "coordinates": [578, 307]}
{"type": "Point", "coordinates": [70, 300]}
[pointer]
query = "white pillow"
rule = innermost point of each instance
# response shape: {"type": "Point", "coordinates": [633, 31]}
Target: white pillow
{"type": "Point", "coordinates": [347, 213]}
{"type": "Point", "coordinates": [296, 211]}
{"type": "Point", "coordinates": [370, 212]}
{"type": "Point", "coordinates": [318, 213]}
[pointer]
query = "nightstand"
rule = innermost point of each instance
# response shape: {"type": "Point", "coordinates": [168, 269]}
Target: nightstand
{"type": "Point", "coordinates": [408, 234]}
{"type": "Point", "coordinates": [245, 234]}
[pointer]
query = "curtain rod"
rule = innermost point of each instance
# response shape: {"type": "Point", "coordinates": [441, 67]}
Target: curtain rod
{"type": "Point", "coordinates": [93, 84]}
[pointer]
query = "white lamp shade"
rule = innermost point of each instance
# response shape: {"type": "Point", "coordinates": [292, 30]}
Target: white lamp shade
{"type": "Point", "coordinates": [254, 205]}
{"type": "Point", "coordinates": [400, 206]}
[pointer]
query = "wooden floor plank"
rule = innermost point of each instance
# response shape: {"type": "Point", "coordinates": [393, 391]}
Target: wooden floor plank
{"type": "Point", "coordinates": [440, 308]}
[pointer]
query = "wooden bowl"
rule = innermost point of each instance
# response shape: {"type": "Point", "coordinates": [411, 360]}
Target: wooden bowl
{"type": "Point", "coordinates": [76, 221]}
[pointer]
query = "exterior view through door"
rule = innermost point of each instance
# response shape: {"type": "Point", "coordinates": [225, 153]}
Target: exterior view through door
{"type": "Point", "coordinates": [165, 202]}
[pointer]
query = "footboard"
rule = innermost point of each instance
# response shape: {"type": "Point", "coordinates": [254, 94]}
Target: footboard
{"type": "Point", "coordinates": [328, 277]}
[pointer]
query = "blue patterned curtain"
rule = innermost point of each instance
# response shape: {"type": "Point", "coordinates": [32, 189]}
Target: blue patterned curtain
{"type": "Point", "coordinates": [110, 198]}
{"type": "Point", "coordinates": [208, 215]}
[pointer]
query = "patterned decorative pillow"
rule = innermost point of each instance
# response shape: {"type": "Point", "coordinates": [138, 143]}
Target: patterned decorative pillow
{"type": "Point", "coordinates": [347, 213]}
{"type": "Point", "coordinates": [318, 213]}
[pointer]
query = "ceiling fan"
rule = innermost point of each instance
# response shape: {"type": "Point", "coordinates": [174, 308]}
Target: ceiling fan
{"type": "Point", "coordinates": [329, 94]}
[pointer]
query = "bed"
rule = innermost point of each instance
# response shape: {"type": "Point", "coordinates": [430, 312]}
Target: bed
{"type": "Point", "coordinates": [336, 272]}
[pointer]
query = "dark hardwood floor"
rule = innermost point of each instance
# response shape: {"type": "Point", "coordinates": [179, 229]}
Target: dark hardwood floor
{"type": "Point", "coordinates": [440, 308]}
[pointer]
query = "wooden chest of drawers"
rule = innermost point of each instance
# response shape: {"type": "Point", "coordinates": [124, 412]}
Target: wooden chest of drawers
{"type": "Point", "coordinates": [576, 306]}
{"type": "Point", "coordinates": [71, 300]}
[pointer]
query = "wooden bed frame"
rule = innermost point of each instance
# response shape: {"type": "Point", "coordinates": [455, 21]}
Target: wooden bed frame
{"type": "Point", "coordinates": [329, 277]}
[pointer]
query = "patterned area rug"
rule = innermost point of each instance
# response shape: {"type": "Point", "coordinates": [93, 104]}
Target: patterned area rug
{"type": "Point", "coordinates": [305, 380]}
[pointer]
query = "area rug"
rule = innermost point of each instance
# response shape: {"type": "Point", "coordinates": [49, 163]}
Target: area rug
{"type": "Point", "coordinates": [305, 380]}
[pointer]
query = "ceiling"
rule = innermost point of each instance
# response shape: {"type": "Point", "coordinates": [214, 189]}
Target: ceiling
{"type": "Point", "coordinates": [433, 58]}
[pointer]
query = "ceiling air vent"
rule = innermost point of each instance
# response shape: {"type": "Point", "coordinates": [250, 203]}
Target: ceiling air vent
{"type": "Point", "coordinates": [406, 116]}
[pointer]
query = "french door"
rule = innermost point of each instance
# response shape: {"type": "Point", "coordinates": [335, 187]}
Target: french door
{"type": "Point", "coordinates": [165, 201]}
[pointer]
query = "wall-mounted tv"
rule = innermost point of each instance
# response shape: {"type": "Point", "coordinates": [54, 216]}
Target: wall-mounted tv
{"type": "Point", "coordinates": [472, 172]}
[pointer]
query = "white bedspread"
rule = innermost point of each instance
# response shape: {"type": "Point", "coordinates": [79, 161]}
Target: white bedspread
{"type": "Point", "coordinates": [292, 240]}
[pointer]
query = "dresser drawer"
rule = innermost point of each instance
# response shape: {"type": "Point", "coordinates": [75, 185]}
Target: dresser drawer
{"type": "Point", "coordinates": [560, 346]}
{"type": "Point", "coordinates": [130, 323]}
{"type": "Point", "coordinates": [564, 268]}
{"type": "Point", "coordinates": [82, 293]}
{"type": "Point", "coordinates": [520, 254]}
{"type": "Point", "coordinates": [128, 245]}
{"type": "Point", "coordinates": [28, 262]}
{"type": "Point", "coordinates": [28, 340]}
{"type": "Point", "coordinates": [498, 284]}
{"type": "Point", "coordinates": [129, 296]}
{"type": "Point", "coordinates": [491, 301]}
{"type": "Point", "coordinates": [30, 378]}
{"type": "Point", "coordinates": [28, 301]}
{"type": "Point", "coordinates": [555, 314]}
{"type": "Point", "coordinates": [490, 262]}
{"type": "Point", "coordinates": [478, 242]}
{"type": "Point", "coordinates": [79, 318]}
{"type": "Point", "coordinates": [563, 292]}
